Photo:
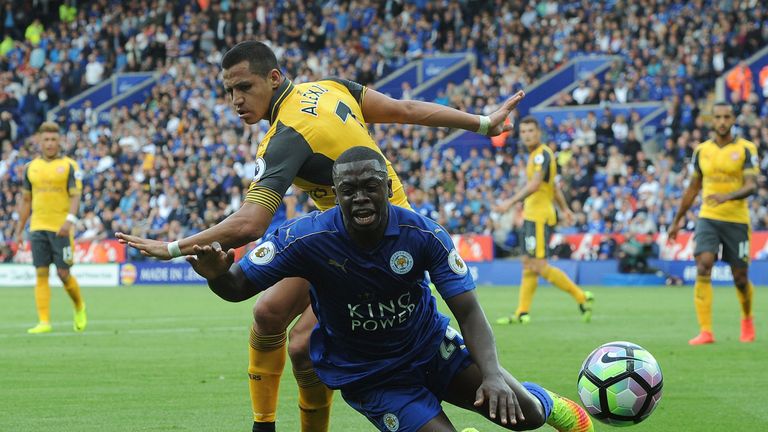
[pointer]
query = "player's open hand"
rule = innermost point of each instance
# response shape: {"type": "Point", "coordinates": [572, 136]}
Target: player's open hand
{"type": "Point", "coordinates": [716, 199]}
{"type": "Point", "coordinates": [211, 261]}
{"type": "Point", "coordinates": [501, 400]}
{"type": "Point", "coordinates": [65, 229]}
{"type": "Point", "coordinates": [498, 117]}
{"type": "Point", "coordinates": [147, 247]}
{"type": "Point", "coordinates": [672, 233]}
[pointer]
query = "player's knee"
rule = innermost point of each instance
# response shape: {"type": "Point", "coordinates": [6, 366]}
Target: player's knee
{"type": "Point", "coordinates": [269, 319]}
{"type": "Point", "coordinates": [298, 351]}
{"type": "Point", "coordinates": [63, 274]}
{"type": "Point", "coordinates": [704, 267]}
{"type": "Point", "coordinates": [533, 412]}
{"type": "Point", "coordinates": [741, 280]}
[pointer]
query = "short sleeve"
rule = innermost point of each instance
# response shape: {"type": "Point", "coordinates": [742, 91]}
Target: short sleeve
{"type": "Point", "coordinates": [751, 162]}
{"type": "Point", "coordinates": [283, 156]}
{"type": "Point", "coordinates": [270, 262]}
{"type": "Point", "coordinates": [696, 168]}
{"type": "Point", "coordinates": [27, 184]}
{"type": "Point", "coordinates": [447, 269]}
{"type": "Point", "coordinates": [75, 179]}
{"type": "Point", "coordinates": [542, 163]}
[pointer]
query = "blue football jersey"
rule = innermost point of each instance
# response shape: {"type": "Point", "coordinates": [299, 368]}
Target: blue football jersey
{"type": "Point", "coordinates": [374, 308]}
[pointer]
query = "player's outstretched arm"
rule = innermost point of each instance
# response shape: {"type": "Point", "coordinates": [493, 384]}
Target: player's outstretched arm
{"type": "Point", "coordinates": [689, 196]}
{"type": "Point", "coordinates": [479, 339]}
{"type": "Point", "coordinates": [380, 108]}
{"type": "Point", "coordinates": [248, 223]}
{"type": "Point", "coordinates": [224, 276]}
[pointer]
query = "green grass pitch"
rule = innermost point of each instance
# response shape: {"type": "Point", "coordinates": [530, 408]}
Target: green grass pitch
{"type": "Point", "coordinates": [174, 359]}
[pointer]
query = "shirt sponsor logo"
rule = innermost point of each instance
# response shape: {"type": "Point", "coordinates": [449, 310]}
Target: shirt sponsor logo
{"type": "Point", "coordinates": [263, 254]}
{"type": "Point", "coordinates": [401, 262]}
{"type": "Point", "coordinates": [456, 263]}
{"type": "Point", "coordinates": [377, 315]}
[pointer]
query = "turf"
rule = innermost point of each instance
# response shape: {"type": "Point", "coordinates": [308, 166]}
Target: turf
{"type": "Point", "coordinates": [174, 359]}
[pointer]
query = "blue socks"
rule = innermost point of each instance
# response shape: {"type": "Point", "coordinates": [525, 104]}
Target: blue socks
{"type": "Point", "coordinates": [542, 395]}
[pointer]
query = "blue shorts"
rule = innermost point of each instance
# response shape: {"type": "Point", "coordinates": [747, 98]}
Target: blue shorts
{"type": "Point", "coordinates": [410, 397]}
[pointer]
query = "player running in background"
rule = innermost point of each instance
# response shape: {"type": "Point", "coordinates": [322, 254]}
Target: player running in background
{"type": "Point", "coordinates": [538, 196]}
{"type": "Point", "coordinates": [51, 192]}
{"type": "Point", "coordinates": [380, 338]}
{"type": "Point", "coordinates": [311, 125]}
{"type": "Point", "coordinates": [725, 168]}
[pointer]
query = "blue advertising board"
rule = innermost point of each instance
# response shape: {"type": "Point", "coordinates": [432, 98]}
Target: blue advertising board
{"type": "Point", "coordinates": [158, 273]}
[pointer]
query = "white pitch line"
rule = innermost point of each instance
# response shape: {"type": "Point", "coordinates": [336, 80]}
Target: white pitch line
{"type": "Point", "coordinates": [69, 332]}
{"type": "Point", "coordinates": [125, 321]}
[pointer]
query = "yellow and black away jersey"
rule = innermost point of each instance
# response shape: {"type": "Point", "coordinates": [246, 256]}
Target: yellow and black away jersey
{"type": "Point", "coordinates": [539, 206]}
{"type": "Point", "coordinates": [722, 170]}
{"type": "Point", "coordinates": [51, 184]}
{"type": "Point", "coordinates": [311, 125]}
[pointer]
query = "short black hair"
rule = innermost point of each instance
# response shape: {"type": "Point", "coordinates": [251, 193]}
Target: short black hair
{"type": "Point", "coordinates": [358, 154]}
{"type": "Point", "coordinates": [723, 104]}
{"type": "Point", "coordinates": [261, 59]}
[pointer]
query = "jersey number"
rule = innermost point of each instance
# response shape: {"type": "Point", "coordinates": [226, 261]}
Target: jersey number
{"type": "Point", "coordinates": [530, 243]}
{"type": "Point", "coordinates": [67, 254]}
{"type": "Point", "coordinates": [744, 250]}
{"type": "Point", "coordinates": [344, 112]}
{"type": "Point", "coordinates": [448, 347]}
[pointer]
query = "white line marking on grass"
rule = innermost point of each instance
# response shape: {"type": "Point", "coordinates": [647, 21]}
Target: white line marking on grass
{"type": "Point", "coordinates": [124, 321]}
{"type": "Point", "coordinates": [69, 332]}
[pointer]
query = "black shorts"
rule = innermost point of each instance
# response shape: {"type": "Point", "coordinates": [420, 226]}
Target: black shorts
{"type": "Point", "coordinates": [536, 238]}
{"type": "Point", "coordinates": [734, 237]}
{"type": "Point", "coordinates": [49, 248]}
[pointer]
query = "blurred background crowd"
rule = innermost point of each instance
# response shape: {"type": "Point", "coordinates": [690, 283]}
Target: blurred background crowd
{"type": "Point", "coordinates": [180, 161]}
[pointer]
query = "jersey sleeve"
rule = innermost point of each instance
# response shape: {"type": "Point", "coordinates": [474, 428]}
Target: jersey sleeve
{"type": "Point", "coordinates": [270, 262]}
{"type": "Point", "coordinates": [751, 162]}
{"type": "Point", "coordinates": [695, 162]}
{"type": "Point", "coordinates": [356, 90]}
{"type": "Point", "coordinates": [75, 179]}
{"type": "Point", "coordinates": [284, 154]}
{"type": "Point", "coordinates": [541, 164]}
{"type": "Point", "coordinates": [447, 269]}
{"type": "Point", "coordinates": [26, 184]}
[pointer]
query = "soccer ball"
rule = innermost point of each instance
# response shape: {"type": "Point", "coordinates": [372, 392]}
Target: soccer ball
{"type": "Point", "coordinates": [620, 383]}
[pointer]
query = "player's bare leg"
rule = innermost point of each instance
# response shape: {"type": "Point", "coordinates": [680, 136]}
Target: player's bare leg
{"type": "Point", "coordinates": [744, 291]}
{"type": "Point", "coordinates": [702, 292]}
{"type": "Point", "coordinates": [275, 309]}
{"type": "Point", "coordinates": [461, 392]}
{"type": "Point", "coordinates": [441, 423]}
{"type": "Point", "coordinates": [314, 397]}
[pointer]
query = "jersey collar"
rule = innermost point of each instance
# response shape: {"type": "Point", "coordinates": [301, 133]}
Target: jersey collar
{"type": "Point", "coordinates": [393, 224]}
{"type": "Point", "coordinates": [282, 92]}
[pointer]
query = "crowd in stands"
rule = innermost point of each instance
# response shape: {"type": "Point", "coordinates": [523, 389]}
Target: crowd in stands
{"type": "Point", "coordinates": [180, 162]}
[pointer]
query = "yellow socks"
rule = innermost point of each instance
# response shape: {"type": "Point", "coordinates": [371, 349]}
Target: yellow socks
{"type": "Point", "coordinates": [43, 295]}
{"type": "Point", "coordinates": [314, 401]}
{"type": "Point", "coordinates": [745, 299]}
{"type": "Point", "coordinates": [527, 290]}
{"type": "Point", "coordinates": [558, 278]}
{"type": "Point", "coordinates": [266, 357]}
{"type": "Point", "coordinates": [702, 292]}
{"type": "Point", "coordinates": [73, 289]}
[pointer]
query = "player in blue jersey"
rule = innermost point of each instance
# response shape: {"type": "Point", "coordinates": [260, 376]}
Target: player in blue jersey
{"type": "Point", "coordinates": [380, 338]}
